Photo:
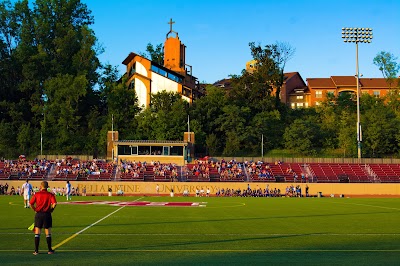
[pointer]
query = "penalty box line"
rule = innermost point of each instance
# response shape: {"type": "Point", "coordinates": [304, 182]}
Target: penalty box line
{"type": "Point", "coordinates": [86, 228]}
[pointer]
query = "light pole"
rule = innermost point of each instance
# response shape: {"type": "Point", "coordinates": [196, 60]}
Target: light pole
{"type": "Point", "coordinates": [356, 35]}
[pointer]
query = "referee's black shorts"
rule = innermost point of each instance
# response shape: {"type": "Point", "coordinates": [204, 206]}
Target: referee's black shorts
{"type": "Point", "coordinates": [43, 220]}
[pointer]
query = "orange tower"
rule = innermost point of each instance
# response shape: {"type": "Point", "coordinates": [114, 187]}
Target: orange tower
{"type": "Point", "coordinates": [174, 52]}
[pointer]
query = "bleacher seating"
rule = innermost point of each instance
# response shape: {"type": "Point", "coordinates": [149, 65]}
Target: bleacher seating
{"type": "Point", "coordinates": [324, 173]}
{"type": "Point", "coordinates": [386, 173]}
{"type": "Point", "coordinates": [4, 172]}
{"type": "Point", "coordinates": [334, 172]}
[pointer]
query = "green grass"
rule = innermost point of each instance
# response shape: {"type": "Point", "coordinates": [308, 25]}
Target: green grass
{"type": "Point", "coordinates": [235, 231]}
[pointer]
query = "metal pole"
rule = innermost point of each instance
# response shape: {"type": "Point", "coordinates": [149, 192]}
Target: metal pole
{"type": "Point", "coordinates": [188, 122]}
{"type": "Point", "coordinates": [41, 143]}
{"type": "Point", "coordinates": [358, 105]}
{"type": "Point", "coordinates": [363, 35]}
{"type": "Point", "coordinates": [262, 146]}
{"type": "Point", "coordinates": [112, 137]}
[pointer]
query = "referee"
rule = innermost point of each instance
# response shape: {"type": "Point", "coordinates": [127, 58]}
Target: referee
{"type": "Point", "coordinates": [43, 203]}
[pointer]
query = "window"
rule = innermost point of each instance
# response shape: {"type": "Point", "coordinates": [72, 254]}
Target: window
{"type": "Point", "coordinates": [132, 70]}
{"type": "Point", "coordinates": [330, 93]}
{"type": "Point", "coordinates": [317, 103]}
{"type": "Point", "coordinates": [176, 150]}
{"type": "Point", "coordinates": [318, 94]}
{"type": "Point", "coordinates": [164, 73]}
{"type": "Point", "coordinates": [144, 150]}
{"type": "Point", "coordinates": [299, 97]}
{"type": "Point", "coordinates": [293, 105]}
{"type": "Point", "coordinates": [124, 150]}
{"type": "Point", "coordinates": [132, 85]}
{"type": "Point", "coordinates": [377, 94]}
{"type": "Point", "coordinates": [166, 150]}
{"type": "Point", "coordinates": [300, 105]}
{"type": "Point", "coordinates": [306, 105]}
{"type": "Point", "coordinates": [156, 150]}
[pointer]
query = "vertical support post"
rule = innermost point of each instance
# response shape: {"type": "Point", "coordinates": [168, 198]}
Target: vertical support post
{"type": "Point", "coordinates": [358, 106]}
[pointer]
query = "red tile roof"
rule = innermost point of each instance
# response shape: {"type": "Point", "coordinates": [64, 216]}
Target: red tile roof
{"type": "Point", "coordinates": [376, 83]}
{"type": "Point", "coordinates": [320, 83]}
{"type": "Point", "coordinates": [341, 81]}
{"type": "Point", "coordinates": [348, 81]}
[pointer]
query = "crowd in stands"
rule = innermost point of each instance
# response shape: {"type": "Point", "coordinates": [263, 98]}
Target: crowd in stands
{"type": "Point", "coordinates": [65, 167]}
{"type": "Point", "coordinates": [128, 168]}
{"type": "Point", "coordinates": [168, 170]}
{"type": "Point", "coordinates": [258, 169]}
{"type": "Point", "coordinates": [200, 170]}
{"type": "Point", "coordinates": [231, 170]}
{"type": "Point", "coordinates": [27, 169]}
{"type": "Point", "coordinates": [158, 170]}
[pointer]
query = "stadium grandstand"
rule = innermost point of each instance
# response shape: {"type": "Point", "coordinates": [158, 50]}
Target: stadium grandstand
{"type": "Point", "coordinates": [201, 170]}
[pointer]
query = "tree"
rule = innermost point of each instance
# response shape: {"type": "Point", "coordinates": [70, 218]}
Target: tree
{"type": "Point", "coordinates": [270, 125]}
{"type": "Point", "coordinates": [123, 106]}
{"type": "Point", "coordinates": [302, 136]}
{"type": "Point", "coordinates": [347, 133]}
{"type": "Point", "coordinates": [233, 123]}
{"type": "Point", "coordinates": [48, 67]}
{"type": "Point", "coordinates": [164, 119]}
{"type": "Point", "coordinates": [205, 111]}
{"type": "Point", "coordinates": [379, 132]}
{"type": "Point", "coordinates": [154, 53]}
{"type": "Point", "coordinates": [212, 144]}
{"type": "Point", "coordinates": [64, 93]}
{"type": "Point", "coordinates": [387, 65]}
{"type": "Point", "coordinates": [233, 144]}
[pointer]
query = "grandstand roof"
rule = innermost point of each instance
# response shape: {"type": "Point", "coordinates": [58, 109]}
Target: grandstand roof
{"type": "Point", "coordinates": [152, 141]}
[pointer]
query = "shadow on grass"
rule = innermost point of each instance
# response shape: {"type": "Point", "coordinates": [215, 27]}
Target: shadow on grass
{"type": "Point", "coordinates": [172, 245]}
{"type": "Point", "coordinates": [241, 219]}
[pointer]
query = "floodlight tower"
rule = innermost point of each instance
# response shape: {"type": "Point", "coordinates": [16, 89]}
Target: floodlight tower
{"type": "Point", "coordinates": [356, 35]}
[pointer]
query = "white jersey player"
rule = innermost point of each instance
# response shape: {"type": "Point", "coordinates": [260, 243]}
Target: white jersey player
{"type": "Point", "coordinates": [68, 190]}
{"type": "Point", "coordinates": [26, 192]}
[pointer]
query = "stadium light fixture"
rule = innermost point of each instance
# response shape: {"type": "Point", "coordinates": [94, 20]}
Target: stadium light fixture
{"type": "Point", "coordinates": [356, 35]}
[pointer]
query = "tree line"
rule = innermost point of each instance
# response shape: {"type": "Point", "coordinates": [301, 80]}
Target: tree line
{"type": "Point", "coordinates": [56, 97]}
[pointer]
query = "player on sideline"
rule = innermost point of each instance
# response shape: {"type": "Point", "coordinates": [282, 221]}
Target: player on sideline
{"type": "Point", "coordinates": [26, 192]}
{"type": "Point", "coordinates": [68, 190]}
{"type": "Point", "coordinates": [43, 203]}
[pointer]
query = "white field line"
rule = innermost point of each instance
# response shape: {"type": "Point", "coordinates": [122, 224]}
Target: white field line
{"type": "Point", "coordinates": [93, 224]}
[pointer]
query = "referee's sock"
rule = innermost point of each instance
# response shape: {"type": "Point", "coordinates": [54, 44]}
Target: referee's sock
{"type": "Point", "coordinates": [37, 240]}
{"type": "Point", "coordinates": [48, 239]}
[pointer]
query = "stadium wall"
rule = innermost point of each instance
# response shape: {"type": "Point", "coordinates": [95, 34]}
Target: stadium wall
{"type": "Point", "coordinates": [149, 188]}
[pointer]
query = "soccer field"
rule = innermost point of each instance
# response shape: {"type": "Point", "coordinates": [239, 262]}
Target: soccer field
{"type": "Point", "coordinates": [207, 231]}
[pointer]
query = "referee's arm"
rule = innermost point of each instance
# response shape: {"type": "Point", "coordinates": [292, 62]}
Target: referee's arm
{"type": "Point", "coordinates": [53, 203]}
{"type": "Point", "coordinates": [32, 203]}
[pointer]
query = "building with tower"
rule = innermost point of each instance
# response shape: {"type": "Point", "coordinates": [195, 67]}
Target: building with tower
{"type": "Point", "coordinates": [147, 77]}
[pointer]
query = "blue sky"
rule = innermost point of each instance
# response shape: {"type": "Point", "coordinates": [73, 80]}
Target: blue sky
{"type": "Point", "coordinates": [217, 33]}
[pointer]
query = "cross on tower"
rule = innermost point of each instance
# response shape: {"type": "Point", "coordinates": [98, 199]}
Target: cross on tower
{"type": "Point", "coordinates": [170, 24]}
